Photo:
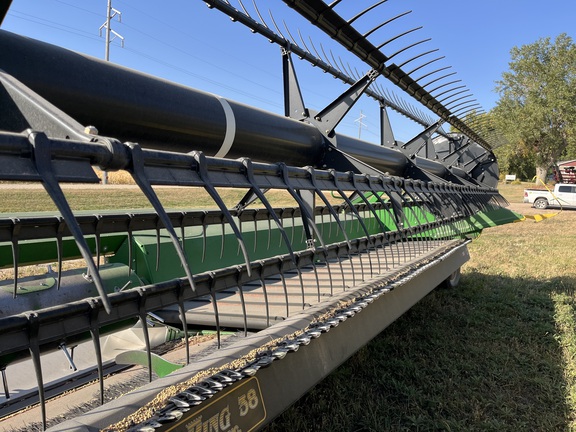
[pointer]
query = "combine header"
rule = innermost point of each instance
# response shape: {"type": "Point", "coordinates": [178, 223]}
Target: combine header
{"type": "Point", "coordinates": [370, 231]}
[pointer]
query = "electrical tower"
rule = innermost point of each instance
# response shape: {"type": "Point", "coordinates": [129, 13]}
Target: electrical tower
{"type": "Point", "coordinates": [360, 123]}
{"type": "Point", "coordinates": [111, 13]}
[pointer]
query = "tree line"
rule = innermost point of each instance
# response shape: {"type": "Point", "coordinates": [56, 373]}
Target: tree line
{"type": "Point", "coordinates": [536, 112]}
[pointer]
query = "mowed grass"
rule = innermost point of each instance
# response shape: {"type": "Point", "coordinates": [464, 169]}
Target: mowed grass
{"type": "Point", "coordinates": [120, 193]}
{"type": "Point", "coordinates": [498, 353]}
{"type": "Point", "coordinates": [34, 198]}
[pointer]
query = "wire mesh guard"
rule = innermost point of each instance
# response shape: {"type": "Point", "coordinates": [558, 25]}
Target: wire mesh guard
{"type": "Point", "coordinates": [241, 268]}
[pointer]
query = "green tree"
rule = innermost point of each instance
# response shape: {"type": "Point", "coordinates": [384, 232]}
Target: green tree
{"type": "Point", "coordinates": [515, 160]}
{"type": "Point", "coordinates": [537, 106]}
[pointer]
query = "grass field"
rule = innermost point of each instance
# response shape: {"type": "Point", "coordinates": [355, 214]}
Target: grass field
{"type": "Point", "coordinates": [91, 197]}
{"type": "Point", "coordinates": [496, 354]}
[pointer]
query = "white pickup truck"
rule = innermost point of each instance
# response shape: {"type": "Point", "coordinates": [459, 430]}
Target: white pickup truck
{"type": "Point", "coordinates": [564, 195]}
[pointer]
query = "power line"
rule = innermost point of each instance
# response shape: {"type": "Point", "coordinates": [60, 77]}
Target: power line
{"type": "Point", "coordinates": [78, 7]}
{"type": "Point", "coordinates": [51, 24]}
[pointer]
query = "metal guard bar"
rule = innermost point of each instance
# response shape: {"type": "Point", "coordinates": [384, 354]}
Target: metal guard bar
{"type": "Point", "coordinates": [165, 168]}
{"type": "Point", "coordinates": [450, 204]}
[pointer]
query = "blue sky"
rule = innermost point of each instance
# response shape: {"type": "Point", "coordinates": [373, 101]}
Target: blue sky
{"type": "Point", "coordinates": [186, 42]}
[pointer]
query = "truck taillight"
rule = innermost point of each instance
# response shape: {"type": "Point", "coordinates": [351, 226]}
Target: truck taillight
{"type": "Point", "coordinates": [525, 194]}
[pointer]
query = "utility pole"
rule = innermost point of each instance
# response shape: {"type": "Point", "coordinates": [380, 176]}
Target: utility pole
{"type": "Point", "coordinates": [360, 123]}
{"type": "Point", "coordinates": [111, 13]}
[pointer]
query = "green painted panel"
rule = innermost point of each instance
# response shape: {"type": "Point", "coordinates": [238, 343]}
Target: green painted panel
{"type": "Point", "coordinates": [45, 251]}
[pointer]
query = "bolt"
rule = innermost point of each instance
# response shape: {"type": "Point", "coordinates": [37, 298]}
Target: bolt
{"type": "Point", "coordinates": [91, 130]}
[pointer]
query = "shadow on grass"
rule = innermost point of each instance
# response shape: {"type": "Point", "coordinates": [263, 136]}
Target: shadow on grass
{"type": "Point", "coordinates": [485, 356]}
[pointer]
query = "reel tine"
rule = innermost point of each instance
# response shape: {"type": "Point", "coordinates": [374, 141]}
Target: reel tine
{"type": "Point", "coordinates": [328, 61]}
{"type": "Point", "coordinates": [276, 26]}
{"type": "Point", "coordinates": [299, 270]}
{"type": "Point", "coordinates": [444, 85]}
{"type": "Point", "coordinates": [352, 207]}
{"type": "Point", "coordinates": [244, 9]}
{"type": "Point", "coordinates": [33, 347]}
{"type": "Point", "coordinates": [95, 335]}
{"type": "Point", "coordinates": [202, 170]}
{"type": "Point", "coordinates": [401, 65]}
{"type": "Point", "coordinates": [223, 236]}
{"type": "Point", "coordinates": [333, 4]}
{"type": "Point", "coordinates": [408, 47]}
{"type": "Point", "coordinates": [5, 382]}
{"type": "Point", "coordinates": [241, 233]}
{"type": "Point", "coordinates": [59, 251]}
{"type": "Point", "coordinates": [259, 14]}
{"type": "Point", "coordinates": [265, 291]}
{"type": "Point", "coordinates": [139, 175]}
{"type": "Point", "coordinates": [426, 64]}
{"type": "Point", "coordinates": [215, 307]}
{"type": "Point", "coordinates": [333, 59]}
{"type": "Point", "coordinates": [158, 222]}
{"type": "Point", "coordinates": [97, 239]}
{"type": "Point", "coordinates": [438, 79]}
{"type": "Point", "coordinates": [242, 300]}
{"type": "Point", "coordinates": [365, 11]}
{"type": "Point", "coordinates": [468, 108]}
{"type": "Point", "coordinates": [255, 234]}
{"type": "Point", "coordinates": [204, 239]}
{"type": "Point", "coordinates": [304, 43]}
{"type": "Point", "coordinates": [398, 36]}
{"type": "Point", "coordinates": [454, 95]}
{"type": "Point", "coordinates": [285, 288]}
{"type": "Point", "coordinates": [379, 26]}
{"type": "Point", "coordinates": [292, 231]}
{"type": "Point", "coordinates": [182, 313]}
{"type": "Point", "coordinates": [269, 233]}
{"type": "Point", "coordinates": [433, 72]}
{"type": "Point", "coordinates": [328, 205]}
{"type": "Point", "coordinates": [182, 230]}
{"type": "Point", "coordinates": [385, 208]}
{"type": "Point", "coordinates": [130, 243]}
{"type": "Point", "coordinates": [449, 90]}
{"type": "Point", "coordinates": [317, 279]}
{"type": "Point", "coordinates": [16, 226]}
{"type": "Point", "coordinates": [349, 72]}
{"type": "Point", "coordinates": [142, 316]}
{"type": "Point", "coordinates": [289, 33]}
{"type": "Point", "coordinates": [329, 273]}
{"type": "Point", "coordinates": [43, 163]}
{"type": "Point", "coordinates": [315, 50]}
{"type": "Point", "coordinates": [464, 100]}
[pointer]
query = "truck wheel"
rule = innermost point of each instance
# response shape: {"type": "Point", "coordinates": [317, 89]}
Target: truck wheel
{"type": "Point", "coordinates": [541, 203]}
{"type": "Point", "coordinates": [453, 280]}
